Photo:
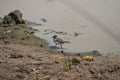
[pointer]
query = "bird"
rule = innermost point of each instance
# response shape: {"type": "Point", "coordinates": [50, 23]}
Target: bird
{"type": "Point", "coordinates": [44, 20]}
{"type": "Point", "coordinates": [59, 41]}
{"type": "Point", "coordinates": [77, 34]}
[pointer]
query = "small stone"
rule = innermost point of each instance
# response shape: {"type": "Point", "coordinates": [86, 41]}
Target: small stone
{"type": "Point", "coordinates": [57, 60]}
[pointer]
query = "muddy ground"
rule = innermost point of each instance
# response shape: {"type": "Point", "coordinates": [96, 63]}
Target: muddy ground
{"type": "Point", "coordinates": [20, 60]}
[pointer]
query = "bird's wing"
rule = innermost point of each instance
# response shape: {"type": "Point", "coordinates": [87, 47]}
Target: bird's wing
{"type": "Point", "coordinates": [61, 41]}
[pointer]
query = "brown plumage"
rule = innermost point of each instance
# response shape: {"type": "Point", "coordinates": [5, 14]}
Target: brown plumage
{"type": "Point", "coordinates": [59, 41]}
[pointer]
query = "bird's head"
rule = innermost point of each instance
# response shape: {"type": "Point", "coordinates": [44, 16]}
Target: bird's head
{"type": "Point", "coordinates": [55, 36]}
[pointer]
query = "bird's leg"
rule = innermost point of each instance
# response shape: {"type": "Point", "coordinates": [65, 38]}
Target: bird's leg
{"type": "Point", "coordinates": [61, 46]}
{"type": "Point", "coordinates": [55, 44]}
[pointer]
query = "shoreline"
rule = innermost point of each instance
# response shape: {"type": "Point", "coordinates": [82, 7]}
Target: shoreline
{"type": "Point", "coordinates": [37, 41]}
{"type": "Point", "coordinates": [77, 53]}
{"type": "Point", "coordinates": [27, 58]}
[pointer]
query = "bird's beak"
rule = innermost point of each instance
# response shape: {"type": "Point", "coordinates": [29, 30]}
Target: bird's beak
{"type": "Point", "coordinates": [54, 36]}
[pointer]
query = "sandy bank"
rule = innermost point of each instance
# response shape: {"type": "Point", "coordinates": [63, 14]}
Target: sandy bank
{"type": "Point", "coordinates": [20, 60]}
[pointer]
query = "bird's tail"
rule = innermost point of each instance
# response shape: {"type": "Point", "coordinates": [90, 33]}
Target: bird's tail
{"type": "Point", "coordinates": [66, 41]}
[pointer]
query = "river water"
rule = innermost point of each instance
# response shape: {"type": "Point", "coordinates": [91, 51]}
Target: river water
{"type": "Point", "coordinates": [97, 21]}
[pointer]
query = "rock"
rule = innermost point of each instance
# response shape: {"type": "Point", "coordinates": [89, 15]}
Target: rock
{"type": "Point", "coordinates": [12, 18]}
{"type": "Point", "coordinates": [8, 20]}
{"type": "Point", "coordinates": [26, 69]}
{"type": "Point", "coordinates": [57, 60]}
{"type": "Point", "coordinates": [17, 77]}
{"type": "Point", "coordinates": [14, 55]}
{"type": "Point", "coordinates": [17, 17]}
{"type": "Point", "coordinates": [3, 61]}
{"type": "Point", "coordinates": [87, 58]}
{"type": "Point", "coordinates": [96, 53]}
{"type": "Point", "coordinates": [1, 21]}
{"type": "Point", "coordinates": [6, 42]}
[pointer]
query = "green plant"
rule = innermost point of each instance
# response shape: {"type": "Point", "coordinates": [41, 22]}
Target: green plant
{"type": "Point", "coordinates": [68, 63]}
{"type": "Point", "coordinates": [37, 76]}
{"type": "Point", "coordinates": [112, 53]}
